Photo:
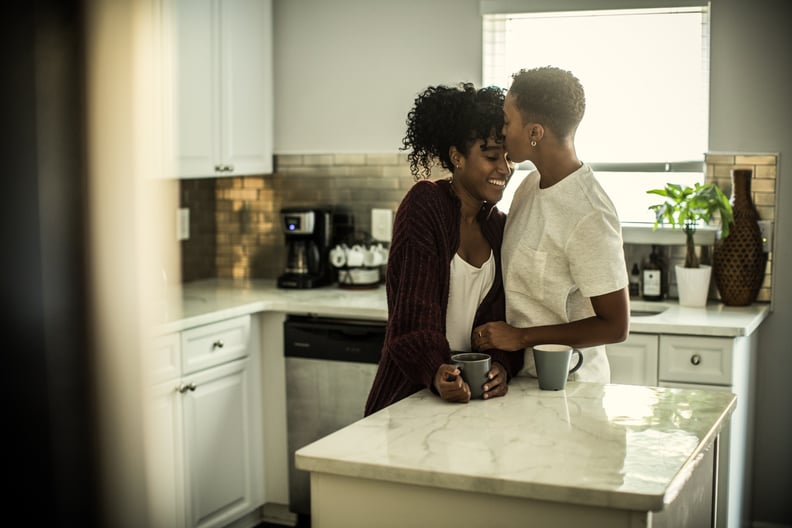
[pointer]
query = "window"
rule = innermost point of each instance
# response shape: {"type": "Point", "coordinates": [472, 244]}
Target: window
{"type": "Point", "coordinates": [646, 77]}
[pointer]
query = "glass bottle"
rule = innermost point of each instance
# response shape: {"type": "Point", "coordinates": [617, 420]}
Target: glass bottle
{"type": "Point", "coordinates": [652, 283]}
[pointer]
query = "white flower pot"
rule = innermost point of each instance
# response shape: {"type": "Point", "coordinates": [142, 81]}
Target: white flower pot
{"type": "Point", "coordinates": [693, 285]}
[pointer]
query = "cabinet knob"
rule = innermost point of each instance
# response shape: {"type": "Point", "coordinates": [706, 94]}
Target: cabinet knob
{"type": "Point", "coordinates": [229, 168]}
{"type": "Point", "coordinates": [186, 387]}
{"type": "Point", "coordinates": [695, 359]}
{"type": "Point", "coordinates": [219, 168]}
{"type": "Point", "coordinates": [218, 344]}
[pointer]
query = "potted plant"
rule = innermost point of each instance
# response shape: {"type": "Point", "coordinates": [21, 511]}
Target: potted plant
{"type": "Point", "coordinates": [686, 208]}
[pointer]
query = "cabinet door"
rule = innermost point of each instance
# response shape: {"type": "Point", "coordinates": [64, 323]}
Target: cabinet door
{"type": "Point", "coordinates": [634, 361]}
{"type": "Point", "coordinates": [224, 87]}
{"type": "Point", "coordinates": [196, 87]}
{"type": "Point", "coordinates": [218, 450]}
{"type": "Point", "coordinates": [246, 86]}
{"type": "Point", "coordinates": [164, 456]}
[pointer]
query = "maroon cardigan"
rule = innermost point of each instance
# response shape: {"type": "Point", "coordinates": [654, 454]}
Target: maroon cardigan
{"type": "Point", "coordinates": [425, 239]}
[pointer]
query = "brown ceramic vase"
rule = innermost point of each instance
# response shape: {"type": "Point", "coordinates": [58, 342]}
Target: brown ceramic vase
{"type": "Point", "coordinates": [738, 264]}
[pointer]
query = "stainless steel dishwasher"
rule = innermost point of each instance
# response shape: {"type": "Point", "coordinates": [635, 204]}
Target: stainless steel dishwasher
{"type": "Point", "coordinates": [330, 365]}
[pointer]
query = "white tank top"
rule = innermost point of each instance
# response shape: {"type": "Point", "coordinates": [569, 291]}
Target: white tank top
{"type": "Point", "coordinates": [468, 287]}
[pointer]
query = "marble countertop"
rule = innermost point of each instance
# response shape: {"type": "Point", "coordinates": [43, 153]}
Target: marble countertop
{"type": "Point", "coordinates": [617, 446]}
{"type": "Point", "coordinates": [207, 301]}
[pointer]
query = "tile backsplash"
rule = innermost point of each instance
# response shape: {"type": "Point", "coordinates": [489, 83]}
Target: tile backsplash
{"type": "Point", "coordinates": [234, 230]}
{"type": "Point", "coordinates": [242, 237]}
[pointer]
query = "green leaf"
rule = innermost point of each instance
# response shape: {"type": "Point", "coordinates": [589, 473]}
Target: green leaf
{"type": "Point", "coordinates": [687, 207]}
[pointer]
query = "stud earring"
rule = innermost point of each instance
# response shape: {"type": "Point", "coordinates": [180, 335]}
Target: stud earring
{"type": "Point", "coordinates": [533, 143]}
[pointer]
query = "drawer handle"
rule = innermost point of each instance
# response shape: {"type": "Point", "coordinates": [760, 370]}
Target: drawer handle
{"type": "Point", "coordinates": [695, 359]}
{"type": "Point", "coordinates": [218, 344]}
{"type": "Point", "coordinates": [188, 387]}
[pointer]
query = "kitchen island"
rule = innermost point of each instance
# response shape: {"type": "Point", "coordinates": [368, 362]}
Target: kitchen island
{"type": "Point", "coordinates": [590, 455]}
{"type": "Point", "coordinates": [673, 336]}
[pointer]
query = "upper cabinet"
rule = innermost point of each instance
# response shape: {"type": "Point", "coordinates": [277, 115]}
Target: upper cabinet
{"type": "Point", "coordinates": [223, 87]}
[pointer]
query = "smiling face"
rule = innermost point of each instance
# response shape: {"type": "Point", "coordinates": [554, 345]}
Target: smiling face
{"type": "Point", "coordinates": [484, 171]}
{"type": "Point", "coordinates": [517, 142]}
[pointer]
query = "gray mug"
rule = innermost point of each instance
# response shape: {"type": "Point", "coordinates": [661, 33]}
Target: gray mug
{"type": "Point", "coordinates": [552, 365]}
{"type": "Point", "coordinates": [474, 367]}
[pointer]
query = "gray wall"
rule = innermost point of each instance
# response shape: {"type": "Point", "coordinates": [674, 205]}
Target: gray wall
{"type": "Point", "coordinates": [750, 111]}
{"type": "Point", "coordinates": [346, 72]}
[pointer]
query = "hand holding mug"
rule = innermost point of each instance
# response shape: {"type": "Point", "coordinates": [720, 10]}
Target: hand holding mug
{"type": "Point", "coordinates": [450, 385]}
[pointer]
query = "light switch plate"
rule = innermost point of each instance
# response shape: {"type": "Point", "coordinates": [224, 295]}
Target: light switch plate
{"type": "Point", "coordinates": [183, 224]}
{"type": "Point", "coordinates": [766, 227]}
{"type": "Point", "coordinates": [381, 224]}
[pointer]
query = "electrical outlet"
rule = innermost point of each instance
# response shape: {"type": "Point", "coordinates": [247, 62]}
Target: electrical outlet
{"type": "Point", "coordinates": [766, 227]}
{"type": "Point", "coordinates": [183, 224]}
{"type": "Point", "coordinates": [381, 224]}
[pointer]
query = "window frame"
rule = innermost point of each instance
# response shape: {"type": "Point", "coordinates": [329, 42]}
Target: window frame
{"type": "Point", "coordinates": [505, 8]}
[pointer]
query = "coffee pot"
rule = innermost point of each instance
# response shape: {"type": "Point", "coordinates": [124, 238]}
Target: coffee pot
{"type": "Point", "coordinates": [308, 238]}
{"type": "Point", "coordinates": [302, 257]}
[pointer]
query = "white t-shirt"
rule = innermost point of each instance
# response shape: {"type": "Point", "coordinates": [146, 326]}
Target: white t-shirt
{"type": "Point", "coordinates": [561, 246]}
{"type": "Point", "coordinates": [468, 285]}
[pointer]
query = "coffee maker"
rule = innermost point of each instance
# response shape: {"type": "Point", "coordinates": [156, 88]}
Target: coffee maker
{"type": "Point", "coordinates": [308, 238]}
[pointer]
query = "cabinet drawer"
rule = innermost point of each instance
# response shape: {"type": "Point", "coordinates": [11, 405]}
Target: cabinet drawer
{"type": "Point", "coordinates": [688, 359]}
{"type": "Point", "coordinates": [214, 344]}
{"type": "Point", "coordinates": [163, 358]}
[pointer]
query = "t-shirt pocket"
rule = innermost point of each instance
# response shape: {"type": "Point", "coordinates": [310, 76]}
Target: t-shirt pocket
{"type": "Point", "coordinates": [525, 275]}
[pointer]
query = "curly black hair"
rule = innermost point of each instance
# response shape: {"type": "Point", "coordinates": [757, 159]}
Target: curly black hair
{"type": "Point", "coordinates": [446, 116]}
{"type": "Point", "coordinates": [551, 96]}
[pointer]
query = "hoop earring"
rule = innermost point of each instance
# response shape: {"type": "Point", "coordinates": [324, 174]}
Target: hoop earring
{"type": "Point", "coordinates": [533, 143]}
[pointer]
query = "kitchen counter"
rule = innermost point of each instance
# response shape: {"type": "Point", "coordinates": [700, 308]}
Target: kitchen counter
{"type": "Point", "coordinates": [598, 447]}
{"type": "Point", "coordinates": [207, 301]}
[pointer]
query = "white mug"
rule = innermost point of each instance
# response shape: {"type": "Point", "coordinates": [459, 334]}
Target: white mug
{"type": "Point", "coordinates": [355, 257]}
{"type": "Point", "coordinates": [338, 256]}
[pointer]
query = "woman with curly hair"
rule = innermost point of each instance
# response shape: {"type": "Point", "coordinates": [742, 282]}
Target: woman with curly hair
{"type": "Point", "coordinates": [563, 259]}
{"type": "Point", "coordinates": [444, 274]}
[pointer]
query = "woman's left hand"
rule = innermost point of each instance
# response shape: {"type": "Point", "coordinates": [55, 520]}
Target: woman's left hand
{"type": "Point", "coordinates": [497, 385]}
{"type": "Point", "coordinates": [498, 335]}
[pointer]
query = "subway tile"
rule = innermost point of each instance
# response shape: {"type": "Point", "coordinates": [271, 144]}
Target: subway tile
{"type": "Point", "coordinates": [719, 159]}
{"type": "Point", "coordinates": [766, 213]}
{"type": "Point", "coordinates": [288, 160]}
{"type": "Point", "coordinates": [384, 159]}
{"type": "Point", "coordinates": [763, 186]}
{"type": "Point", "coordinates": [349, 159]}
{"type": "Point", "coordinates": [721, 172]}
{"type": "Point", "coordinates": [763, 199]}
{"type": "Point", "coordinates": [318, 159]}
{"type": "Point", "coordinates": [765, 172]}
{"type": "Point", "coordinates": [753, 159]}
{"type": "Point", "coordinates": [253, 182]}
{"type": "Point", "coordinates": [400, 172]}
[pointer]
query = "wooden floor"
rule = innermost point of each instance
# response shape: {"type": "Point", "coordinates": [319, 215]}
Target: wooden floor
{"type": "Point", "coordinates": [303, 521]}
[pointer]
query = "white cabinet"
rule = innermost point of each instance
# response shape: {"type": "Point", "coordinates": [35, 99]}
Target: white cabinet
{"type": "Point", "coordinates": [720, 363]}
{"type": "Point", "coordinates": [164, 430]}
{"type": "Point", "coordinates": [205, 450]}
{"type": "Point", "coordinates": [218, 457]}
{"type": "Point", "coordinates": [709, 363]}
{"type": "Point", "coordinates": [634, 361]}
{"type": "Point", "coordinates": [223, 87]}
